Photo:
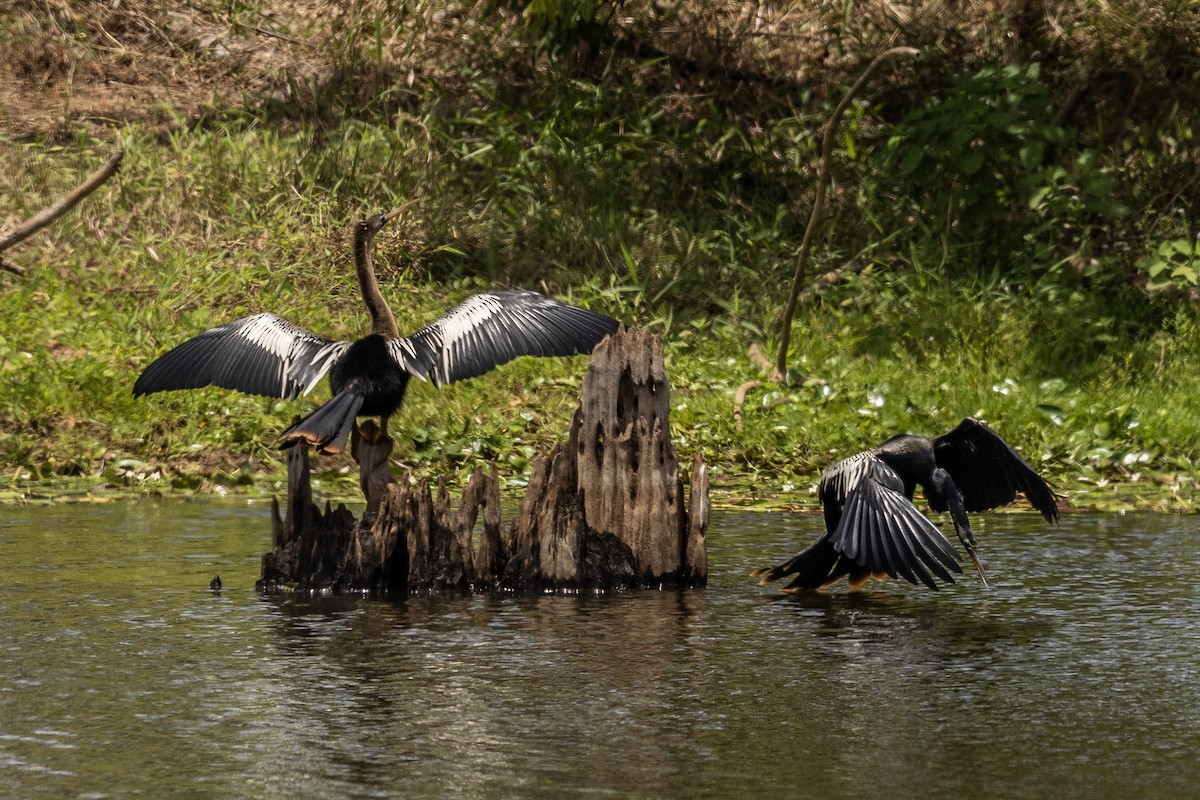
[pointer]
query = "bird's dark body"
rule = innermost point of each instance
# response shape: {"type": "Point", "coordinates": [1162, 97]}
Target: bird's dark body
{"type": "Point", "coordinates": [368, 369]}
{"type": "Point", "coordinates": [872, 528]}
{"type": "Point", "coordinates": [910, 457]}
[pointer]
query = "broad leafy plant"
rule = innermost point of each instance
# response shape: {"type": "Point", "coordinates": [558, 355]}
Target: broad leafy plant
{"type": "Point", "coordinates": [979, 164]}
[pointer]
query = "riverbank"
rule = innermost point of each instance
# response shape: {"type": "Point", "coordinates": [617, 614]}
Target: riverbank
{"type": "Point", "coordinates": [679, 209]}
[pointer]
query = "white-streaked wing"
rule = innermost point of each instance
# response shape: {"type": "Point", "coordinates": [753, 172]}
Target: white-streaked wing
{"type": "Point", "coordinates": [841, 477]}
{"type": "Point", "coordinates": [490, 329]}
{"type": "Point", "coordinates": [879, 528]}
{"type": "Point", "coordinates": [260, 354]}
{"type": "Point", "coordinates": [413, 360]}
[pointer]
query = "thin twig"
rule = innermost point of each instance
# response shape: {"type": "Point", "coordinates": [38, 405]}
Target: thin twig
{"type": "Point", "coordinates": [60, 206]}
{"type": "Point", "coordinates": [785, 333]}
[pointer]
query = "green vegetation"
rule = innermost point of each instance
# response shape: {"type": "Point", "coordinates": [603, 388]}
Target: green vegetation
{"type": "Point", "coordinates": [998, 248]}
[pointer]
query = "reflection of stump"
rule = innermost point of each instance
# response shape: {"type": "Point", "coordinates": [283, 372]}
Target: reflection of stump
{"type": "Point", "coordinates": [605, 511]}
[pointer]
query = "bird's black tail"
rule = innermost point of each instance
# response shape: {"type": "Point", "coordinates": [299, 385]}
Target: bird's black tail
{"type": "Point", "coordinates": [815, 567]}
{"type": "Point", "coordinates": [329, 426]}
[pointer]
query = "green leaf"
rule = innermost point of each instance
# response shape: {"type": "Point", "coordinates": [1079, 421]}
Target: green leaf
{"type": "Point", "coordinates": [1032, 154]}
{"type": "Point", "coordinates": [912, 160]}
{"type": "Point", "coordinates": [1036, 199]}
{"type": "Point", "coordinates": [971, 162]}
{"type": "Point", "coordinates": [1098, 186]}
{"type": "Point", "coordinates": [1182, 246]}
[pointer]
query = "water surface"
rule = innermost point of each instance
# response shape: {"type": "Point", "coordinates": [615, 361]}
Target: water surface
{"type": "Point", "coordinates": [121, 674]}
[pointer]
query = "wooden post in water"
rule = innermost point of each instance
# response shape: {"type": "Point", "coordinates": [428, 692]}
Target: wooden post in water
{"type": "Point", "coordinates": [604, 511]}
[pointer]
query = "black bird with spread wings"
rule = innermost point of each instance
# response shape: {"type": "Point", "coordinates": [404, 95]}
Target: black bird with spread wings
{"type": "Point", "coordinates": [873, 529]}
{"type": "Point", "coordinates": [265, 354]}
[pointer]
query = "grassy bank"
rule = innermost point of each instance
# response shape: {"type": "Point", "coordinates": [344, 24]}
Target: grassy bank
{"type": "Point", "coordinates": [227, 221]}
{"type": "Point", "coordinates": [1034, 302]}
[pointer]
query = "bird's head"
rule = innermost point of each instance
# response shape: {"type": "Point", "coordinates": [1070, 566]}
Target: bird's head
{"type": "Point", "coordinates": [373, 224]}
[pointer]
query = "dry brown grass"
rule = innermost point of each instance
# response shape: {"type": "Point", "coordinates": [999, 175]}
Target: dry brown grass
{"type": "Point", "coordinates": [100, 64]}
{"type": "Point", "coordinates": [816, 44]}
{"type": "Point", "coordinates": [97, 64]}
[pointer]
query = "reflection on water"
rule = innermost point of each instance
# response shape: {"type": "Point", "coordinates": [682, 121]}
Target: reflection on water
{"type": "Point", "coordinates": [121, 673]}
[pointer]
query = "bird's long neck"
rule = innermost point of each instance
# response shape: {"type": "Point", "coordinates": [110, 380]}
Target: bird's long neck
{"type": "Point", "coordinates": [382, 321]}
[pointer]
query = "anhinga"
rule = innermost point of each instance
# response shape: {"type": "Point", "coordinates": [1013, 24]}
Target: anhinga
{"type": "Point", "coordinates": [265, 354]}
{"type": "Point", "coordinates": [874, 530]}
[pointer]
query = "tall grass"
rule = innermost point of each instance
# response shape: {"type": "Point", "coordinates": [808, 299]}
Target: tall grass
{"type": "Point", "coordinates": [617, 184]}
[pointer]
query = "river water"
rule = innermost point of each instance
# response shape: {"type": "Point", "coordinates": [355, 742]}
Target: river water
{"type": "Point", "coordinates": [1077, 674]}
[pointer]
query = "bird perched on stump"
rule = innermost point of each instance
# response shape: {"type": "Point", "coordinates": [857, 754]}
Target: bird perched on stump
{"type": "Point", "coordinates": [265, 354]}
{"type": "Point", "coordinates": [872, 528]}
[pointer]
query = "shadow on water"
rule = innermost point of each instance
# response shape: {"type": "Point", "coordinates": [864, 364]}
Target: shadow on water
{"type": "Point", "coordinates": [1074, 675]}
{"type": "Point", "coordinates": [948, 628]}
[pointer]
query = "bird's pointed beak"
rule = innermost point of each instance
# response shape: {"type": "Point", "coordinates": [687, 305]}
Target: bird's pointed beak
{"type": "Point", "coordinates": [400, 209]}
{"type": "Point", "coordinates": [978, 566]}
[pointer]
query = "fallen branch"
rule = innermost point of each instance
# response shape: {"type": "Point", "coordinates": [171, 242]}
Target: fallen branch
{"type": "Point", "coordinates": [57, 209]}
{"type": "Point", "coordinates": [759, 360]}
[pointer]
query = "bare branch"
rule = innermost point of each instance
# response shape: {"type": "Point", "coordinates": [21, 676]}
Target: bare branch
{"type": "Point", "coordinates": [60, 206]}
{"type": "Point", "coordinates": [759, 360]}
{"type": "Point", "coordinates": [13, 268]}
{"type": "Point", "coordinates": [785, 333]}
{"type": "Point", "coordinates": [739, 400]}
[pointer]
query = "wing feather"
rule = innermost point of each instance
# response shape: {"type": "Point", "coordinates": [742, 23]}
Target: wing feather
{"type": "Point", "coordinates": [898, 557]}
{"type": "Point", "coordinates": [932, 549]}
{"type": "Point", "coordinates": [837, 481]}
{"type": "Point", "coordinates": [262, 354]}
{"type": "Point", "coordinates": [851, 544]}
{"type": "Point", "coordinates": [988, 471]}
{"type": "Point", "coordinates": [490, 329]}
{"type": "Point", "coordinates": [880, 529]}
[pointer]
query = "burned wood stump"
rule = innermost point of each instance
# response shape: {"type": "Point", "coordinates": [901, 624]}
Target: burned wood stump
{"type": "Point", "coordinates": [604, 511]}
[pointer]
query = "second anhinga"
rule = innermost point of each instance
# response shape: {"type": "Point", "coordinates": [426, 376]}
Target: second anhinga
{"type": "Point", "coordinates": [872, 528]}
{"type": "Point", "coordinates": [265, 354]}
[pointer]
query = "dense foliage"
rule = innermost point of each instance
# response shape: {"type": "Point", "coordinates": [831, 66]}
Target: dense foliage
{"type": "Point", "coordinates": [1011, 231]}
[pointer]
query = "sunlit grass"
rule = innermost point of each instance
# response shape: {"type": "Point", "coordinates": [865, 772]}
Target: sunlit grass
{"type": "Point", "coordinates": [591, 199]}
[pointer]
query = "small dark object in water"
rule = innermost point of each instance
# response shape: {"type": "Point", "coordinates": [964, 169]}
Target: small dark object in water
{"type": "Point", "coordinates": [873, 529]}
{"type": "Point", "coordinates": [215, 583]}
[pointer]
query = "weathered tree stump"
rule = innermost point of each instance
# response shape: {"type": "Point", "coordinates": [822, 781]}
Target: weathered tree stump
{"type": "Point", "coordinates": [605, 511]}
